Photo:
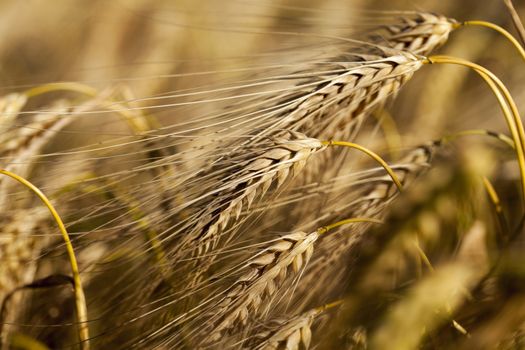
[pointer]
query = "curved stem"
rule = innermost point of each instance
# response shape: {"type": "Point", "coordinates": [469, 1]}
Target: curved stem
{"type": "Point", "coordinates": [516, 20]}
{"type": "Point", "coordinates": [500, 30]}
{"type": "Point", "coordinates": [373, 155]}
{"type": "Point", "coordinates": [480, 132]}
{"type": "Point", "coordinates": [91, 92]}
{"type": "Point", "coordinates": [329, 305]}
{"type": "Point", "coordinates": [325, 229]}
{"type": "Point", "coordinates": [65, 86]}
{"type": "Point", "coordinates": [390, 130]}
{"type": "Point", "coordinates": [80, 299]}
{"type": "Point", "coordinates": [505, 100]}
{"type": "Point", "coordinates": [493, 195]}
{"type": "Point", "coordinates": [496, 202]}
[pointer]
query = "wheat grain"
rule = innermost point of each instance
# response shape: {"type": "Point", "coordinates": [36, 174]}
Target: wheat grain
{"type": "Point", "coordinates": [419, 33]}
{"type": "Point", "coordinates": [293, 333]}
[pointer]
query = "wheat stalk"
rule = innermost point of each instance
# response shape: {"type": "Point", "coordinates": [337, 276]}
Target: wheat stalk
{"type": "Point", "coordinates": [419, 33]}
{"type": "Point", "coordinates": [80, 299]}
{"type": "Point", "coordinates": [289, 333]}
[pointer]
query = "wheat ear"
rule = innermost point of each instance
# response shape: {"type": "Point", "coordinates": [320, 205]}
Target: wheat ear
{"type": "Point", "coordinates": [289, 333]}
{"type": "Point", "coordinates": [274, 167]}
{"type": "Point", "coordinates": [268, 269]}
{"type": "Point", "coordinates": [420, 33]}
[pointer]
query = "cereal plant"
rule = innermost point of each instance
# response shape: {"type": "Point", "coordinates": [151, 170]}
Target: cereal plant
{"type": "Point", "coordinates": [276, 174]}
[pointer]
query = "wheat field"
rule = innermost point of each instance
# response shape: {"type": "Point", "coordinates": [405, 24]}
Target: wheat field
{"type": "Point", "coordinates": [276, 174]}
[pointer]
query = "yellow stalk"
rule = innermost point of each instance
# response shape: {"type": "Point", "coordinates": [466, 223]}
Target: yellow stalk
{"type": "Point", "coordinates": [505, 100]}
{"type": "Point", "coordinates": [130, 118]}
{"type": "Point", "coordinates": [373, 155]}
{"type": "Point", "coordinates": [325, 229]}
{"type": "Point", "coordinates": [329, 305]}
{"type": "Point", "coordinates": [496, 202]}
{"type": "Point", "coordinates": [65, 86]}
{"type": "Point", "coordinates": [480, 132]}
{"type": "Point", "coordinates": [423, 256]}
{"type": "Point", "coordinates": [493, 195]}
{"type": "Point", "coordinates": [500, 30]}
{"type": "Point", "coordinates": [80, 299]}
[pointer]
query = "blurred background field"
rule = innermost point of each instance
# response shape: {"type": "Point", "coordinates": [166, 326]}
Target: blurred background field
{"type": "Point", "coordinates": [147, 45]}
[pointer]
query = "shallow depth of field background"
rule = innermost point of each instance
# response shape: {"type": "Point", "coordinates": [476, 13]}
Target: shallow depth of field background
{"type": "Point", "coordinates": [137, 42]}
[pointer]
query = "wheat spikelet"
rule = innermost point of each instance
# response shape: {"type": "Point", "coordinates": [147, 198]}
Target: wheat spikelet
{"type": "Point", "coordinates": [419, 33]}
{"type": "Point", "coordinates": [266, 270]}
{"type": "Point", "coordinates": [332, 95]}
{"type": "Point", "coordinates": [273, 168]}
{"type": "Point", "coordinates": [280, 161]}
{"type": "Point", "coordinates": [292, 333]}
{"type": "Point", "coordinates": [20, 144]}
{"type": "Point", "coordinates": [10, 106]}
